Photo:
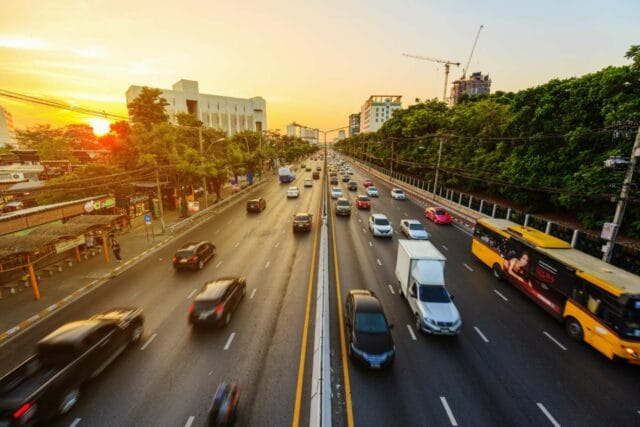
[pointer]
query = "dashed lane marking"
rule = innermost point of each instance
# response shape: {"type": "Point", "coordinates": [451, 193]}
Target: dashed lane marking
{"type": "Point", "coordinates": [500, 295]}
{"type": "Point", "coordinates": [406, 214]}
{"type": "Point", "coordinates": [379, 262]}
{"type": "Point", "coordinates": [391, 290]}
{"type": "Point", "coordinates": [276, 245]}
{"type": "Point", "coordinates": [267, 264]}
{"type": "Point", "coordinates": [370, 244]}
{"type": "Point", "coordinates": [75, 422]}
{"type": "Point", "coordinates": [444, 247]}
{"type": "Point", "coordinates": [253, 292]}
{"type": "Point", "coordinates": [481, 334]}
{"type": "Point", "coordinates": [554, 340]}
{"type": "Point", "coordinates": [189, 421]}
{"type": "Point", "coordinates": [364, 230]}
{"type": "Point", "coordinates": [413, 335]}
{"type": "Point", "coordinates": [191, 293]}
{"type": "Point", "coordinates": [467, 267]}
{"type": "Point", "coordinates": [236, 245]}
{"type": "Point", "coordinates": [218, 264]}
{"type": "Point", "coordinates": [229, 340]}
{"type": "Point", "coordinates": [146, 344]}
{"type": "Point", "coordinates": [547, 414]}
{"type": "Point", "coordinates": [447, 409]}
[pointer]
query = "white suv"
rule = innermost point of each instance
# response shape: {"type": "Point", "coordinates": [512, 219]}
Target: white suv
{"type": "Point", "coordinates": [380, 226]}
{"type": "Point", "coordinates": [398, 194]}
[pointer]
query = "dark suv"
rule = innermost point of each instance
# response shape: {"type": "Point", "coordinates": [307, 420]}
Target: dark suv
{"type": "Point", "coordinates": [216, 301]}
{"type": "Point", "coordinates": [368, 332]}
{"type": "Point", "coordinates": [194, 255]}
{"type": "Point", "coordinates": [343, 206]}
{"type": "Point", "coordinates": [256, 205]}
{"type": "Point", "coordinates": [302, 221]}
{"type": "Point", "coordinates": [352, 186]}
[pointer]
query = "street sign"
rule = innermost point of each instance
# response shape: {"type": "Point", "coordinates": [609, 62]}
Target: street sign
{"type": "Point", "coordinates": [147, 219]}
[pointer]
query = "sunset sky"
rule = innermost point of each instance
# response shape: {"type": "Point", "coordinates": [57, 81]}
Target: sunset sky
{"type": "Point", "coordinates": [315, 62]}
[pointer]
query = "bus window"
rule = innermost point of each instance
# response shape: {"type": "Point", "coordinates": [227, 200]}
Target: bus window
{"type": "Point", "coordinates": [490, 238]}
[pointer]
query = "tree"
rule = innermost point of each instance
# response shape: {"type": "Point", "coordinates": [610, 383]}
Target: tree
{"type": "Point", "coordinates": [148, 108]}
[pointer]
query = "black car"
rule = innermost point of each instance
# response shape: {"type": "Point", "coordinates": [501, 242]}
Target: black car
{"type": "Point", "coordinates": [194, 255]}
{"type": "Point", "coordinates": [256, 205]}
{"type": "Point", "coordinates": [216, 301]}
{"type": "Point", "coordinates": [334, 180]}
{"type": "Point", "coordinates": [352, 186]}
{"type": "Point", "coordinates": [368, 332]}
{"type": "Point", "coordinates": [346, 178]}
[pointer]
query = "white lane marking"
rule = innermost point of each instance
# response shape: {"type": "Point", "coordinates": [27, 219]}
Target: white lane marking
{"type": "Point", "coordinates": [444, 247]}
{"type": "Point", "coordinates": [468, 268]}
{"type": "Point", "coordinates": [210, 373]}
{"type": "Point", "coordinates": [359, 220]}
{"type": "Point", "coordinates": [481, 334]}
{"type": "Point", "coordinates": [406, 214]}
{"type": "Point", "coordinates": [145, 345]}
{"type": "Point", "coordinates": [189, 421]}
{"type": "Point", "coordinates": [413, 335]}
{"type": "Point", "coordinates": [452, 419]}
{"type": "Point", "coordinates": [554, 340]}
{"type": "Point", "coordinates": [253, 292]}
{"type": "Point", "coordinates": [75, 422]}
{"type": "Point", "coordinates": [548, 415]}
{"type": "Point", "coordinates": [267, 264]}
{"type": "Point", "coordinates": [276, 245]}
{"type": "Point", "coordinates": [379, 262]}
{"type": "Point", "coordinates": [370, 244]}
{"type": "Point", "coordinates": [364, 230]}
{"type": "Point", "coordinates": [397, 232]}
{"type": "Point", "coordinates": [228, 344]}
{"type": "Point", "coordinates": [236, 245]}
{"type": "Point", "coordinates": [191, 293]}
{"type": "Point", "coordinates": [500, 295]}
{"type": "Point", "coordinates": [391, 289]}
{"type": "Point", "coordinates": [219, 264]}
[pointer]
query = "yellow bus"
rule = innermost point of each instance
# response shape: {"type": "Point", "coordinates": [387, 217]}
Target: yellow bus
{"type": "Point", "coordinates": [597, 302]}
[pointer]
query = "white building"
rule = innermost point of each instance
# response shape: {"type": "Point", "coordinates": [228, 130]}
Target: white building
{"type": "Point", "coordinates": [310, 135]}
{"type": "Point", "coordinates": [7, 131]}
{"type": "Point", "coordinates": [232, 115]}
{"type": "Point", "coordinates": [378, 109]}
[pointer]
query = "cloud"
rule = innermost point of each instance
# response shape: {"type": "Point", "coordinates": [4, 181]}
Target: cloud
{"type": "Point", "coordinates": [23, 44]}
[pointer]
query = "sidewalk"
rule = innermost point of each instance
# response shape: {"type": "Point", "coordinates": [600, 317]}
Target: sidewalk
{"type": "Point", "coordinates": [18, 311]}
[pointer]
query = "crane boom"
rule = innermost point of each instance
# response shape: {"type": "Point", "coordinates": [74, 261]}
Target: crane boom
{"type": "Point", "coordinates": [475, 42]}
{"type": "Point", "coordinates": [446, 69]}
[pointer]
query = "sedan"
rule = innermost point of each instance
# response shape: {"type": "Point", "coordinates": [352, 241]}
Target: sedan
{"type": "Point", "coordinates": [438, 215]}
{"type": "Point", "coordinates": [380, 226]}
{"type": "Point", "coordinates": [367, 183]}
{"type": "Point", "coordinates": [336, 192]}
{"type": "Point", "coordinates": [368, 331]}
{"type": "Point", "coordinates": [334, 180]}
{"type": "Point", "coordinates": [372, 191]}
{"type": "Point", "coordinates": [194, 255]}
{"type": "Point", "coordinates": [216, 301]}
{"type": "Point", "coordinates": [352, 186]}
{"type": "Point", "coordinates": [398, 194]}
{"type": "Point", "coordinates": [413, 229]}
{"type": "Point", "coordinates": [363, 202]}
{"type": "Point", "coordinates": [293, 192]}
{"type": "Point", "coordinates": [256, 205]}
{"type": "Point", "coordinates": [308, 183]}
{"type": "Point", "coordinates": [346, 178]}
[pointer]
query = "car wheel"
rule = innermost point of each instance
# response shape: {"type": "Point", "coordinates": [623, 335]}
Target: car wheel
{"type": "Point", "coordinates": [497, 271]}
{"type": "Point", "coordinates": [69, 400]}
{"type": "Point", "coordinates": [227, 318]}
{"type": "Point", "coordinates": [136, 332]}
{"type": "Point", "coordinates": [574, 329]}
{"type": "Point", "coordinates": [418, 323]}
{"type": "Point", "coordinates": [200, 265]}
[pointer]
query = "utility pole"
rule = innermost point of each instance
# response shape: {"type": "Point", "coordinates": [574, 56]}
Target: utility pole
{"type": "Point", "coordinates": [159, 196]}
{"type": "Point", "coordinates": [204, 177]}
{"type": "Point", "coordinates": [392, 145]}
{"type": "Point", "coordinates": [622, 200]}
{"type": "Point", "coordinates": [435, 181]}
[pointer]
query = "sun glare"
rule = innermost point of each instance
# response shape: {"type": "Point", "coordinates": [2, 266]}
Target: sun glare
{"type": "Point", "coordinates": [100, 126]}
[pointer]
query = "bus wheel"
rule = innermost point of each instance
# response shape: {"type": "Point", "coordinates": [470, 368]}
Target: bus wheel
{"type": "Point", "coordinates": [574, 329]}
{"type": "Point", "coordinates": [497, 271]}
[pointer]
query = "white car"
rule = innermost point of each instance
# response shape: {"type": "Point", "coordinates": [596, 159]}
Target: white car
{"type": "Point", "coordinates": [293, 192]}
{"type": "Point", "coordinates": [380, 226]}
{"type": "Point", "coordinates": [372, 191]}
{"type": "Point", "coordinates": [308, 183]}
{"type": "Point", "coordinates": [336, 192]}
{"type": "Point", "coordinates": [413, 229]}
{"type": "Point", "coordinates": [398, 194]}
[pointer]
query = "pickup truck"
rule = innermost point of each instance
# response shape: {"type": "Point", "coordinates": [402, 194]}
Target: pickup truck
{"type": "Point", "coordinates": [49, 382]}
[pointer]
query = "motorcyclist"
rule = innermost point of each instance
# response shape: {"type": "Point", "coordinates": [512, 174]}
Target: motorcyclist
{"type": "Point", "coordinates": [224, 406]}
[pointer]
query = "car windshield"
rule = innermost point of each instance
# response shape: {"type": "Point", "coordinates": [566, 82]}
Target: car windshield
{"type": "Point", "coordinates": [371, 323]}
{"type": "Point", "coordinates": [433, 294]}
{"type": "Point", "coordinates": [302, 217]}
{"type": "Point", "coordinates": [293, 188]}
{"type": "Point", "coordinates": [440, 212]}
{"type": "Point", "coordinates": [184, 254]}
{"type": "Point", "coordinates": [343, 203]}
{"type": "Point", "coordinates": [373, 189]}
{"type": "Point", "coordinates": [363, 198]}
{"type": "Point", "coordinates": [381, 221]}
{"type": "Point", "coordinates": [419, 227]}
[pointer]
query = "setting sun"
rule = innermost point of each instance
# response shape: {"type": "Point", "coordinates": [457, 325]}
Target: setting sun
{"type": "Point", "coordinates": [100, 126]}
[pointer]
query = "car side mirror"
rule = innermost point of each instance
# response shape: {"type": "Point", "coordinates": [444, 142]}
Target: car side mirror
{"type": "Point", "coordinates": [451, 296]}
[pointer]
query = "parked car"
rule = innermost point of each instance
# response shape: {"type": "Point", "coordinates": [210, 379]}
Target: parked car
{"type": "Point", "coordinates": [369, 337]}
{"type": "Point", "coordinates": [438, 215]}
{"type": "Point", "coordinates": [293, 192]}
{"type": "Point", "coordinates": [336, 192]}
{"type": "Point", "coordinates": [352, 186]}
{"type": "Point", "coordinates": [302, 221]}
{"type": "Point", "coordinates": [380, 226]}
{"type": "Point", "coordinates": [363, 202]}
{"type": "Point", "coordinates": [413, 229]}
{"type": "Point", "coordinates": [372, 191]}
{"type": "Point", "coordinates": [194, 255]}
{"type": "Point", "coordinates": [256, 205]}
{"type": "Point", "coordinates": [398, 194]}
{"type": "Point", "coordinates": [217, 300]}
{"type": "Point", "coordinates": [367, 183]}
{"type": "Point", "coordinates": [308, 183]}
{"type": "Point", "coordinates": [343, 206]}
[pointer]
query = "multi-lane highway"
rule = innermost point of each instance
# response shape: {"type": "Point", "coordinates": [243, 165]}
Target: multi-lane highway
{"type": "Point", "coordinates": [511, 365]}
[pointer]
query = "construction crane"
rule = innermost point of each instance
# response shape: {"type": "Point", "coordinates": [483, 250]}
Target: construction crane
{"type": "Point", "coordinates": [446, 69]}
{"type": "Point", "coordinates": [466, 67]}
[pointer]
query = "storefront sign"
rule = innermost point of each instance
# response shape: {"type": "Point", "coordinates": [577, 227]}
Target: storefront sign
{"type": "Point", "coordinates": [65, 245]}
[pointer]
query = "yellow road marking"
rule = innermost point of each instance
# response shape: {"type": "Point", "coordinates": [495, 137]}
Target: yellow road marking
{"type": "Point", "coordinates": [305, 330]}
{"type": "Point", "coordinates": [343, 346]}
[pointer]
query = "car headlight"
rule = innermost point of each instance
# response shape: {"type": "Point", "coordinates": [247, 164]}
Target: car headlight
{"type": "Point", "coordinates": [357, 351]}
{"type": "Point", "coordinates": [429, 321]}
{"type": "Point", "coordinates": [631, 352]}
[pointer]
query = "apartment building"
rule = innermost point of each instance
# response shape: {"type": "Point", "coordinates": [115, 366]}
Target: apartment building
{"type": "Point", "coordinates": [354, 124]}
{"type": "Point", "coordinates": [230, 114]}
{"type": "Point", "coordinates": [378, 109]}
{"type": "Point", "coordinates": [310, 135]}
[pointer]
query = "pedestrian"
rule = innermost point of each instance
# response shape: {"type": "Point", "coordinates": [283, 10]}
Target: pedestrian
{"type": "Point", "coordinates": [115, 246]}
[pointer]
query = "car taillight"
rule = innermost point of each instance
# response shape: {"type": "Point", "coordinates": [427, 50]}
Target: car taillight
{"type": "Point", "coordinates": [175, 258]}
{"type": "Point", "coordinates": [219, 310]}
{"type": "Point", "coordinates": [191, 308]}
{"type": "Point", "coordinates": [193, 258]}
{"type": "Point", "coordinates": [25, 412]}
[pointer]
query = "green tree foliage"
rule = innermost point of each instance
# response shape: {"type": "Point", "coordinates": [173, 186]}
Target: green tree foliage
{"type": "Point", "coordinates": [85, 182]}
{"type": "Point", "coordinates": [148, 108]}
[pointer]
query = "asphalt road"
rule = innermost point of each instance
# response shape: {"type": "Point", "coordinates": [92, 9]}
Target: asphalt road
{"type": "Point", "coordinates": [511, 365]}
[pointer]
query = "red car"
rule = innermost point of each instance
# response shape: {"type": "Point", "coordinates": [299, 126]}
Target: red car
{"type": "Point", "coordinates": [438, 215]}
{"type": "Point", "coordinates": [363, 202]}
{"type": "Point", "coordinates": [367, 183]}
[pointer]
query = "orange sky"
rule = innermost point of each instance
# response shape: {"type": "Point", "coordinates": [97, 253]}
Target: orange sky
{"type": "Point", "coordinates": [315, 62]}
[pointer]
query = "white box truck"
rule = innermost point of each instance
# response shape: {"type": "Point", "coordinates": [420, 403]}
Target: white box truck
{"type": "Point", "coordinates": [420, 274]}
